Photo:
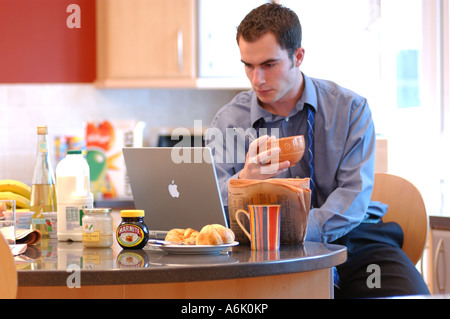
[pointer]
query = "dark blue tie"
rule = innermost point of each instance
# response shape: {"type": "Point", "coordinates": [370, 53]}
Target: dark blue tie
{"type": "Point", "coordinates": [312, 182]}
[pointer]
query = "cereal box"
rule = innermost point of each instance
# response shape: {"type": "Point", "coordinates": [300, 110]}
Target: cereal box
{"type": "Point", "coordinates": [104, 143]}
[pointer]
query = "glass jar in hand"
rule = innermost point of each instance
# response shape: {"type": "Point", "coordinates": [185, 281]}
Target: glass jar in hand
{"type": "Point", "coordinates": [132, 232]}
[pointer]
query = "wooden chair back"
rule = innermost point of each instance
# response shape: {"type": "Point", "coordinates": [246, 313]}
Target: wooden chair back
{"type": "Point", "coordinates": [8, 272]}
{"type": "Point", "coordinates": [407, 208]}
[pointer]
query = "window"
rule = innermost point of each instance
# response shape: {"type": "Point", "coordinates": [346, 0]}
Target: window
{"type": "Point", "coordinates": [390, 52]}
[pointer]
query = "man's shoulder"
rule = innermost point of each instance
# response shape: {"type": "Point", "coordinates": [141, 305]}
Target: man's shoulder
{"type": "Point", "coordinates": [238, 105]}
{"type": "Point", "coordinates": [331, 92]}
{"type": "Point", "coordinates": [330, 87]}
{"type": "Point", "coordinates": [242, 99]}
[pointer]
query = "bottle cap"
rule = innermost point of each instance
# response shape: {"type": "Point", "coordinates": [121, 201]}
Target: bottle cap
{"type": "Point", "coordinates": [74, 152]}
{"type": "Point", "coordinates": [42, 129]}
{"type": "Point", "coordinates": [97, 210]}
{"type": "Point", "coordinates": [132, 213]}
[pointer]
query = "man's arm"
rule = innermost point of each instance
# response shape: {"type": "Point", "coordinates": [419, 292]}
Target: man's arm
{"type": "Point", "coordinates": [347, 204]}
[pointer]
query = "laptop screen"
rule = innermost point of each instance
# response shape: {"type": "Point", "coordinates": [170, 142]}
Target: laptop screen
{"type": "Point", "coordinates": [176, 187]}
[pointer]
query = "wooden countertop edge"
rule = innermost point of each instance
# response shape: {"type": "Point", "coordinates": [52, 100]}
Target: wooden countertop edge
{"type": "Point", "coordinates": [183, 273]}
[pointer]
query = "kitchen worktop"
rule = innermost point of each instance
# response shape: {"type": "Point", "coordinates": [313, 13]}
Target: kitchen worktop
{"type": "Point", "coordinates": [47, 264]}
{"type": "Point", "coordinates": [53, 268]}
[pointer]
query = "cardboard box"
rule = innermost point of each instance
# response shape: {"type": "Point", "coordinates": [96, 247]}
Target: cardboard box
{"type": "Point", "coordinates": [104, 143]}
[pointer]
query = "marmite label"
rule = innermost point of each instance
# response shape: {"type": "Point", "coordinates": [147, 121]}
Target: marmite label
{"type": "Point", "coordinates": [129, 235]}
{"type": "Point", "coordinates": [130, 260]}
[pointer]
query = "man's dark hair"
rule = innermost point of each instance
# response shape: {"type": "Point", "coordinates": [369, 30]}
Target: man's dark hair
{"type": "Point", "coordinates": [275, 18]}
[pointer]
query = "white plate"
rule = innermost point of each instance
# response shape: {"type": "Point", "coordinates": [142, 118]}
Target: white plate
{"type": "Point", "coordinates": [194, 249]}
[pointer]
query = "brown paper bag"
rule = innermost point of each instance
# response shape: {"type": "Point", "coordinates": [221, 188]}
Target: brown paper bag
{"type": "Point", "coordinates": [292, 194]}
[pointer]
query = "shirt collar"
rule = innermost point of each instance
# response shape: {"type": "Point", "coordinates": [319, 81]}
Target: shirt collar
{"type": "Point", "coordinates": [308, 97]}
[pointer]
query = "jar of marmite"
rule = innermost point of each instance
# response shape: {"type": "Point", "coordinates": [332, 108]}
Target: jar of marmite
{"type": "Point", "coordinates": [132, 259]}
{"type": "Point", "coordinates": [132, 233]}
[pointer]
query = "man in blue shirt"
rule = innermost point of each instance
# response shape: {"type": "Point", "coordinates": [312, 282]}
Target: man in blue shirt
{"type": "Point", "coordinates": [279, 104]}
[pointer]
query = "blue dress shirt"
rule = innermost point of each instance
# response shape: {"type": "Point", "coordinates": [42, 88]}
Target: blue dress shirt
{"type": "Point", "coordinates": [344, 151]}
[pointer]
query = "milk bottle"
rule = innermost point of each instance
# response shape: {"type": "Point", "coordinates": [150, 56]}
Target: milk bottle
{"type": "Point", "coordinates": [72, 195]}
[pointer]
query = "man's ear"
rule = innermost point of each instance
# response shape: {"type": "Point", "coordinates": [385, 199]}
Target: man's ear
{"type": "Point", "coordinates": [299, 54]}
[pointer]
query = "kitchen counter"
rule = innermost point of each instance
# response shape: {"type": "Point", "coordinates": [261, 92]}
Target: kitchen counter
{"type": "Point", "coordinates": [295, 271]}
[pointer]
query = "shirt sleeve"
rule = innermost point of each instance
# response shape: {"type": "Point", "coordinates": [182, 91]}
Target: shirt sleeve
{"type": "Point", "coordinates": [226, 169]}
{"type": "Point", "coordinates": [346, 205]}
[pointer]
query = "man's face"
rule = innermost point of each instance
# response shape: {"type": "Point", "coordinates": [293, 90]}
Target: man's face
{"type": "Point", "coordinates": [272, 74]}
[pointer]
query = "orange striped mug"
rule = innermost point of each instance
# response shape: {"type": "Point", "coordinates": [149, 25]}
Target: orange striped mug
{"type": "Point", "coordinates": [264, 226]}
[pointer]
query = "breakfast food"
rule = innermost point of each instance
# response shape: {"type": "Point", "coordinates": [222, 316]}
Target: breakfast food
{"type": "Point", "coordinates": [10, 185]}
{"type": "Point", "coordinates": [214, 234]}
{"type": "Point", "coordinates": [2, 209]}
{"type": "Point", "coordinates": [182, 236]}
{"type": "Point", "coordinates": [15, 190]}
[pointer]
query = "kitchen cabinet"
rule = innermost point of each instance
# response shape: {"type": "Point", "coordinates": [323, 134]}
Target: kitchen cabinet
{"type": "Point", "coordinates": [441, 261]}
{"type": "Point", "coordinates": [143, 43]}
{"type": "Point", "coordinates": [47, 41]}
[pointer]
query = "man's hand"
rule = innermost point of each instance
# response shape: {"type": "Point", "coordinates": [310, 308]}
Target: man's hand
{"type": "Point", "coordinates": [261, 162]}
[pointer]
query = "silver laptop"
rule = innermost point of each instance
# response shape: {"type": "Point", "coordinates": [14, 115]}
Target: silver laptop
{"type": "Point", "coordinates": [177, 187]}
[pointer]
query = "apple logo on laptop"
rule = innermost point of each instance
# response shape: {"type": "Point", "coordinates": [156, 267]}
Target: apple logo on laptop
{"type": "Point", "coordinates": [173, 190]}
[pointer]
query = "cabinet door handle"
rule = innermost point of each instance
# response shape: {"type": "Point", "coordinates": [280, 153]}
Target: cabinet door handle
{"type": "Point", "coordinates": [439, 249]}
{"type": "Point", "coordinates": [180, 50]}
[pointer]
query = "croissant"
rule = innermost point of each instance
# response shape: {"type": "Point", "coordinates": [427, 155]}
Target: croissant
{"type": "Point", "coordinates": [182, 236]}
{"type": "Point", "coordinates": [215, 234]}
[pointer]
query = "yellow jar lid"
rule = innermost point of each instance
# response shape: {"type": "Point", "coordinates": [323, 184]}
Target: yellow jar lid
{"type": "Point", "coordinates": [132, 213]}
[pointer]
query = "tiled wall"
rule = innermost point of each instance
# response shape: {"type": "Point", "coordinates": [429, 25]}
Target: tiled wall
{"type": "Point", "coordinates": [65, 107]}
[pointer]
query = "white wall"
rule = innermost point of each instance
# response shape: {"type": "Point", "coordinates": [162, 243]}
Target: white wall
{"type": "Point", "coordinates": [65, 107]}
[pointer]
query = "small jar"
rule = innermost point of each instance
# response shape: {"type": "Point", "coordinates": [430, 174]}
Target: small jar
{"type": "Point", "coordinates": [97, 227]}
{"type": "Point", "coordinates": [132, 232]}
{"type": "Point", "coordinates": [98, 258]}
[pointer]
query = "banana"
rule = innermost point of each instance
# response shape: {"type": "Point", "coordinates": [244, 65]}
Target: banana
{"type": "Point", "coordinates": [21, 201]}
{"type": "Point", "coordinates": [10, 185]}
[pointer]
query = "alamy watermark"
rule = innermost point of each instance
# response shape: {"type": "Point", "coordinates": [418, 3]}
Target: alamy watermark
{"type": "Point", "coordinates": [374, 279]}
{"type": "Point", "coordinates": [74, 279]}
{"type": "Point", "coordinates": [227, 147]}
{"type": "Point", "coordinates": [73, 21]}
